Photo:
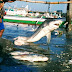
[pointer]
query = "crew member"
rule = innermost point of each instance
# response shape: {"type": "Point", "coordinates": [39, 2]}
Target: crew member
{"type": "Point", "coordinates": [2, 13]}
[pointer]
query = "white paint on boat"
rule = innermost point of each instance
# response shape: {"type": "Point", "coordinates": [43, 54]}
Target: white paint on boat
{"type": "Point", "coordinates": [24, 18]}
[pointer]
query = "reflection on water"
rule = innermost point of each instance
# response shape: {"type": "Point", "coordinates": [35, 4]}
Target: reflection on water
{"type": "Point", "coordinates": [58, 51]}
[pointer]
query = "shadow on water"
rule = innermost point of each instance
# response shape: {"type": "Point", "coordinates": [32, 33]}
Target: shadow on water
{"type": "Point", "coordinates": [8, 64]}
{"type": "Point", "coordinates": [59, 51]}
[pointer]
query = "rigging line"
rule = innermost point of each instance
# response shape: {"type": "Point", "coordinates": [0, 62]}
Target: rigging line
{"type": "Point", "coordinates": [10, 5]}
{"type": "Point", "coordinates": [49, 7]}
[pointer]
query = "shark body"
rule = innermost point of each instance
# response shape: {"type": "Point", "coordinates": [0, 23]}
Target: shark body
{"type": "Point", "coordinates": [43, 30]}
{"type": "Point", "coordinates": [28, 56]}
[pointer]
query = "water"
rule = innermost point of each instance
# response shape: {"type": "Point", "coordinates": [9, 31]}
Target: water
{"type": "Point", "coordinates": [59, 51]}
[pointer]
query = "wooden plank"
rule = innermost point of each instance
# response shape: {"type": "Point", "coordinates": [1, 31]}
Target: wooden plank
{"type": "Point", "coordinates": [45, 2]}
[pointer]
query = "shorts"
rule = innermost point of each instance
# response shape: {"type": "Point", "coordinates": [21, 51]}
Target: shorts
{"type": "Point", "coordinates": [1, 25]}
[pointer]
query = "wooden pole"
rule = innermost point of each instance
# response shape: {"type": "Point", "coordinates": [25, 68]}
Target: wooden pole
{"type": "Point", "coordinates": [69, 15]}
{"type": "Point", "coordinates": [45, 2]}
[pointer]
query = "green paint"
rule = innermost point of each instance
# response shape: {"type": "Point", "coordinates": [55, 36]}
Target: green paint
{"type": "Point", "coordinates": [21, 21]}
{"type": "Point", "coordinates": [28, 22]}
{"type": "Point", "coordinates": [62, 24]}
{"type": "Point", "coordinates": [71, 22]}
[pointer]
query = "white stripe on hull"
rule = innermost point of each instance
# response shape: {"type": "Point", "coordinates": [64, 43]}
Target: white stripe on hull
{"type": "Point", "coordinates": [24, 18]}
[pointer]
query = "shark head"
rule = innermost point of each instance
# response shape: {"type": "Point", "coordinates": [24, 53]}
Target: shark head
{"type": "Point", "coordinates": [54, 24]}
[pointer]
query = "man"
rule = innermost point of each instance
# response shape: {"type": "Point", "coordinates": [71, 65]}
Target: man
{"type": "Point", "coordinates": [1, 17]}
{"type": "Point", "coordinates": [2, 13]}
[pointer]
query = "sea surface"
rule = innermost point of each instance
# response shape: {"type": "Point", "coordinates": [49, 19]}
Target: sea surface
{"type": "Point", "coordinates": [59, 51]}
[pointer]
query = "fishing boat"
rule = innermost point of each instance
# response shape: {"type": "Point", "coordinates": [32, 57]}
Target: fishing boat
{"type": "Point", "coordinates": [25, 20]}
{"type": "Point", "coordinates": [28, 20]}
{"type": "Point", "coordinates": [23, 15]}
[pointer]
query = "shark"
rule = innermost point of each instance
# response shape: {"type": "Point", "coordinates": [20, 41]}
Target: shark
{"type": "Point", "coordinates": [44, 29]}
{"type": "Point", "coordinates": [28, 56]}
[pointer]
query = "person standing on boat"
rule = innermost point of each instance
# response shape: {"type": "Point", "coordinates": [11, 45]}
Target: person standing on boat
{"type": "Point", "coordinates": [2, 13]}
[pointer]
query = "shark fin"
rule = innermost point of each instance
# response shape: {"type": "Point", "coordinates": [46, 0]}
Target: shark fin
{"type": "Point", "coordinates": [48, 37]}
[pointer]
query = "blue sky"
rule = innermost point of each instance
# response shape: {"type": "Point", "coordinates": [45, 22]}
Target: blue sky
{"type": "Point", "coordinates": [39, 6]}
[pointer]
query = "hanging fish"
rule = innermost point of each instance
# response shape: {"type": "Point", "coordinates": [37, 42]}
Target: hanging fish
{"type": "Point", "coordinates": [43, 30]}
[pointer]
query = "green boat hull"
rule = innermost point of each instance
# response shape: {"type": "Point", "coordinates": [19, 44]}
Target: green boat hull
{"type": "Point", "coordinates": [22, 21]}
{"type": "Point", "coordinates": [26, 20]}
